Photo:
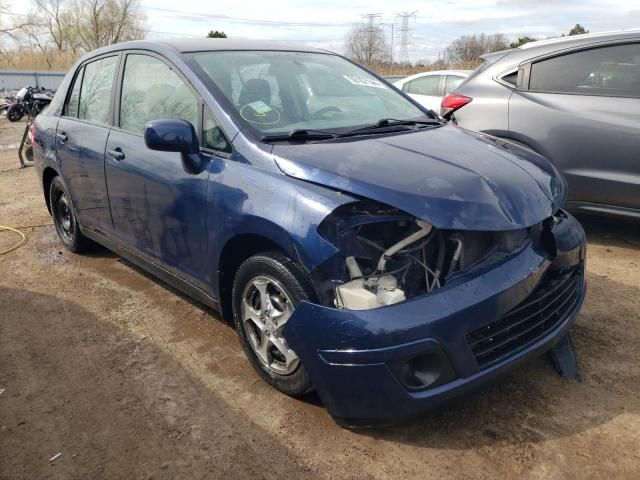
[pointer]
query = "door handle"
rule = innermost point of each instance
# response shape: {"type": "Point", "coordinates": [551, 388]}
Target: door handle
{"type": "Point", "coordinates": [116, 154]}
{"type": "Point", "coordinates": [62, 137]}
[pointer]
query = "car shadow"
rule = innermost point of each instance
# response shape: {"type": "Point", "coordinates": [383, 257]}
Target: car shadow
{"type": "Point", "coordinates": [607, 231]}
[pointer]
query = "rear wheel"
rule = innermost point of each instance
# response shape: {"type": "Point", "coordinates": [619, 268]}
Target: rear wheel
{"type": "Point", "coordinates": [266, 291]}
{"type": "Point", "coordinates": [64, 218]}
{"type": "Point", "coordinates": [15, 112]}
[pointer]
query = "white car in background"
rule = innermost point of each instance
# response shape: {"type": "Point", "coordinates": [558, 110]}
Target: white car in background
{"type": "Point", "coordinates": [428, 88]}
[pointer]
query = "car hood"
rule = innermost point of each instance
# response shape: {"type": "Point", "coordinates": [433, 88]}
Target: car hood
{"type": "Point", "coordinates": [447, 176]}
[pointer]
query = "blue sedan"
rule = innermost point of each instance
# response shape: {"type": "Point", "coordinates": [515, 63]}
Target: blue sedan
{"type": "Point", "coordinates": [360, 246]}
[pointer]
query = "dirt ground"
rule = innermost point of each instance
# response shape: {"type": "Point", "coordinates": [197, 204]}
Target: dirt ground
{"type": "Point", "coordinates": [127, 378]}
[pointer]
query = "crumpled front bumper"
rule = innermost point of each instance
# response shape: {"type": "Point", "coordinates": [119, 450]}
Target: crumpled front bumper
{"type": "Point", "coordinates": [349, 355]}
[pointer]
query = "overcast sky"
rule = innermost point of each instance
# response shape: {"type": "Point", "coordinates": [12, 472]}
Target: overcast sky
{"type": "Point", "coordinates": [324, 23]}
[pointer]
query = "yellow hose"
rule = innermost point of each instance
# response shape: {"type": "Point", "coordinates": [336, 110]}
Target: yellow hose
{"type": "Point", "coordinates": [23, 240]}
{"type": "Point", "coordinates": [19, 244]}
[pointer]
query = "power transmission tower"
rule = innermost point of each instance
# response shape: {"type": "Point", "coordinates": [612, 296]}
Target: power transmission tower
{"type": "Point", "coordinates": [371, 19]}
{"type": "Point", "coordinates": [405, 31]}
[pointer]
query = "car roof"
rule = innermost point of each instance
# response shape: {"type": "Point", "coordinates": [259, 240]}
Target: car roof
{"type": "Point", "coordinates": [583, 39]}
{"type": "Point", "coordinates": [507, 59]}
{"type": "Point", "coordinates": [213, 44]}
{"type": "Point", "coordinates": [462, 73]}
{"type": "Point", "coordinates": [184, 45]}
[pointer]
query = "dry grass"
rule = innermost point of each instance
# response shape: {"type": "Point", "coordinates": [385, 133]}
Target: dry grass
{"type": "Point", "coordinates": [396, 69]}
{"type": "Point", "coordinates": [24, 59]}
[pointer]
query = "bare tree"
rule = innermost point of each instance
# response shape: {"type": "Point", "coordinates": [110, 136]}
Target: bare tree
{"type": "Point", "coordinates": [103, 22]}
{"type": "Point", "coordinates": [54, 16]}
{"type": "Point", "coordinates": [468, 48]}
{"type": "Point", "coordinates": [11, 28]}
{"type": "Point", "coordinates": [31, 34]}
{"type": "Point", "coordinates": [367, 45]}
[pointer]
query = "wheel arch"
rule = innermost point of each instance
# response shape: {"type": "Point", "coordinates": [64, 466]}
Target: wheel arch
{"type": "Point", "coordinates": [235, 251]}
{"type": "Point", "coordinates": [48, 174]}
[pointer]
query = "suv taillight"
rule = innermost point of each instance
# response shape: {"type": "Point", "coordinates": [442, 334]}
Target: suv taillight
{"type": "Point", "coordinates": [451, 103]}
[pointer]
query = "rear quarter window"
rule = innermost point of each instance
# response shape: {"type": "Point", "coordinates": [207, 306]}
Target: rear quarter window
{"type": "Point", "coordinates": [611, 71]}
{"type": "Point", "coordinates": [453, 82]}
{"type": "Point", "coordinates": [428, 85]}
{"type": "Point", "coordinates": [73, 100]}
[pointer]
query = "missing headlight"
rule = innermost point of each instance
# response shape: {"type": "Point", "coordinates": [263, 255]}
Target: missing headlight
{"type": "Point", "coordinates": [386, 255]}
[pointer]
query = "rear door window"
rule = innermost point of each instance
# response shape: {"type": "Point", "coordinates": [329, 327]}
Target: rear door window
{"type": "Point", "coordinates": [428, 85]}
{"type": "Point", "coordinates": [95, 94]}
{"type": "Point", "coordinates": [151, 90]}
{"type": "Point", "coordinates": [610, 71]}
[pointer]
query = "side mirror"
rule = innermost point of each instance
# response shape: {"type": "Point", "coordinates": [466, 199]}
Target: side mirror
{"type": "Point", "coordinates": [175, 135]}
{"type": "Point", "coordinates": [171, 135]}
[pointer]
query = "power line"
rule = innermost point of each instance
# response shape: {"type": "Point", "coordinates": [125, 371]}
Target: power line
{"type": "Point", "coordinates": [251, 21]}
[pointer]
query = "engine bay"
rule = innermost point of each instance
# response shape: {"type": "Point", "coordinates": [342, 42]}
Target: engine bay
{"type": "Point", "coordinates": [387, 256]}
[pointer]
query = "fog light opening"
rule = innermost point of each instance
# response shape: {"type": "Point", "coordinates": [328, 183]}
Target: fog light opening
{"type": "Point", "coordinates": [423, 371]}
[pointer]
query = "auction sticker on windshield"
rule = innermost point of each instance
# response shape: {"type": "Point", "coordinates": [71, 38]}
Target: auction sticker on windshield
{"type": "Point", "coordinates": [364, 81]}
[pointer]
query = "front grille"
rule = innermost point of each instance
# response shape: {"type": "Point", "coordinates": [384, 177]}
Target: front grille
{"type": "Point", "coordinates": [539, 313]}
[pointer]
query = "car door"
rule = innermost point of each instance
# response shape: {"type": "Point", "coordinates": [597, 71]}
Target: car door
{"type": "Point", "coordinates": [426, 90]}
{"type": "Point", "coordinates": [582, 111]}
{"type": "Point", "coordinates": [81, 137]}
{"type": "Point", "coordinates": [158, 208]}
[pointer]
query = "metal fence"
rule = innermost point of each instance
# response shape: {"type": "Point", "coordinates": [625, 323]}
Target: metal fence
{"type": "Point", "coordinates": [15, 79]}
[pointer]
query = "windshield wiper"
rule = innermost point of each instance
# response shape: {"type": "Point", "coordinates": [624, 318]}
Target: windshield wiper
{"type": "Point", "coordinates": [301, 134]}
{"type": "Point", "coordinates": [390, 122]}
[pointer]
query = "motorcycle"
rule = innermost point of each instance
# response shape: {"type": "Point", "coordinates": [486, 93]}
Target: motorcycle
{"type": "Point", "coordinates": [30, 101]}
{"type": "Point", "coordinates": [5, 103]}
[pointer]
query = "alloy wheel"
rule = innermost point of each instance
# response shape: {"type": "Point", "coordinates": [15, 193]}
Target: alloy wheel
{"type": "Point", "coordinates": [265, 309]}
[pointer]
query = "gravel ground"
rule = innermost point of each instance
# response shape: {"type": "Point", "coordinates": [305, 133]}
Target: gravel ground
{"type": "Point", "coordinates": [127, 378]}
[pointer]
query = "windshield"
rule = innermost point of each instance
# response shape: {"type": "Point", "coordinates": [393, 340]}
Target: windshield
{"type": "Point", "coordinates": [275, 93]}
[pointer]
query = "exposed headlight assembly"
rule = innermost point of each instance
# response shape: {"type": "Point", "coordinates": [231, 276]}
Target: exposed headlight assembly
{"type": "Point", "coordinates": [386, 255]}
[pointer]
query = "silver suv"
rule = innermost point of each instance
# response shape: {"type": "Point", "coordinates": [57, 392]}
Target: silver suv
{"type": "Point", "coordinates": [574, 100]}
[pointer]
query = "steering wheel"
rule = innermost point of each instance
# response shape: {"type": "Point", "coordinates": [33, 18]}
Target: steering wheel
{"type": "Point", "coordinates": [318, 115]}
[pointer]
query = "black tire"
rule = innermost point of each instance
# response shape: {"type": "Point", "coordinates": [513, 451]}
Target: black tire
{"type": "Point", "coordinates": [291, 278]}
{"type": "Point", "coordinates": [28, 153]}
{"type": "Point", "coordinates": [64, 218]}
{"type": "Point", "coordinates": [15, 112]}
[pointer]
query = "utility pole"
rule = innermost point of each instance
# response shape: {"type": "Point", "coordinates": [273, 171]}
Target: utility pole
{"type": "Point", "coordinates": [404, 34]}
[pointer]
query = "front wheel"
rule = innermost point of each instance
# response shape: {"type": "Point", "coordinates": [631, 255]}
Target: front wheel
{"type": "Point", "coordinates": [266, 290]}
{"type": "Point", "coordinates": [15, 112]}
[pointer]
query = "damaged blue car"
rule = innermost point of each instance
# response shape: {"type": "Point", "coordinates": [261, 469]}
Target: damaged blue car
{"type": "Point", "coordinates": [361, 246]}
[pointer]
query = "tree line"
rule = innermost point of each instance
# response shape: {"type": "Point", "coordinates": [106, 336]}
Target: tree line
{"type": "Point", "coordinates": [368, 45]}
{"type": "Point", "coordinates": [58, 31]}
